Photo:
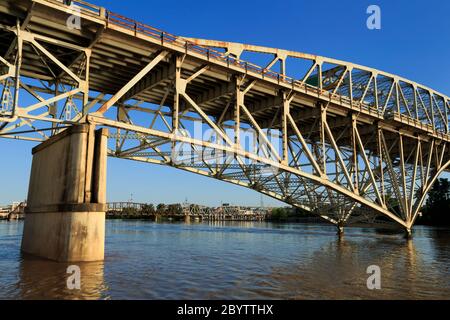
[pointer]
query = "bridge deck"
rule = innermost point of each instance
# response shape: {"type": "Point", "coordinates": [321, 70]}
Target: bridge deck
{"type": "Point", "coordinates": [121, 47]}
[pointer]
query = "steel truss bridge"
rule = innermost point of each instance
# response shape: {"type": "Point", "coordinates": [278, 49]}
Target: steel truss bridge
{"type": "Point", "coordinates": [344, 141]}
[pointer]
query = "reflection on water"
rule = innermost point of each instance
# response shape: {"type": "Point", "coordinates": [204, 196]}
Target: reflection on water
{"type": "Point", "coordinates": [236, 260]}
{"type": "Point", "coordinates": [41, 279]}
{"type": "Point", "coordinates": [339, 270]}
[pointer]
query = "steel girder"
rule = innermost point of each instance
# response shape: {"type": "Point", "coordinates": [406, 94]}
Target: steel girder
{"type": "Point", "coordinates": [346, 142]}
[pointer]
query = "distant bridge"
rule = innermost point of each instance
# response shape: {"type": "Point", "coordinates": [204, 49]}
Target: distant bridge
{"type": "Point", "coordinates": [335, 138]}
{"type": "Point", "coordinates": [120, 206]}
{"type": "Point", "coordinates": [192, 211]}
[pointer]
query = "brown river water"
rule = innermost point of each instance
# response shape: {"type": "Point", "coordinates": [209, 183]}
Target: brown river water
{"type": "Point", "coordinates": [236, 260]}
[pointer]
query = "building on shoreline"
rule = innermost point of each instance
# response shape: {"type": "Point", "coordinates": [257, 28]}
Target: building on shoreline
{"type": "Point", "coordinates": [4, 212]}
{"type": "Point", "coordinates": [14, 211]}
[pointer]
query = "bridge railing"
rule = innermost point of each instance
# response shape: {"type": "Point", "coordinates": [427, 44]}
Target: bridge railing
{"type": "Point", "coordinates": [188, 46]}
{"type": "Point", "coordinates": [166, 37]}
{"type": "Point", "coordinates": [138, 27]}
{"type": "Point", "coordinates": [84, 7]}
{"type": "Point", "coordinates": [246, 66]}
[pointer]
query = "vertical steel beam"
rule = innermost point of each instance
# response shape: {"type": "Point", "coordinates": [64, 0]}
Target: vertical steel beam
{"type": "Point", "coordinates": [88, 53]}
{"type": "Point", "coordinates": [380, 163]}
{"type": "Point", "coordinates": [237, 113]}
{"type": "Point", "coordinates": [369, 169]}
{"type": "Point", "coordinates": [413, 181]}
{"type": "Point", "coordinates": [375, 91]}
{"type": "Point", "coordinates": [17, 70]}
{"type": "Point", "coordinates": [433, 121]}
{"type": "Point", "coordinates": [355, 165]}
{"type": "Point", "coordinates": [323, 119]}
{"type": "Point", "coordinates": [284, 125]}
{"type": "Point", "coordinates": [404, 198]}
{"type": "Point", "coordinates": [180, 88]}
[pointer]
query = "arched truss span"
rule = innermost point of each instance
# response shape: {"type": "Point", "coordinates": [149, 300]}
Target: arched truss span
{"type": "Point", "coordinates": [347, 142]}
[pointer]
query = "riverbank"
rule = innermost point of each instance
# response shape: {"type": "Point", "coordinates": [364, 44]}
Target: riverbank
{"type": "Point", "coordinates": [181, 218]}
{"type": "Point", "coordinates": [13, 217]}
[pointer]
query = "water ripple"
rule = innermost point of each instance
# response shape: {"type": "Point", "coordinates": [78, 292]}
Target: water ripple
{"type": "Point", "coordinates": [252, 260]}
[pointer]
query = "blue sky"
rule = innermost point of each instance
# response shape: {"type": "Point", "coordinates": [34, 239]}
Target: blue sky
{"type": "Point", "coordinates": [413, 42]}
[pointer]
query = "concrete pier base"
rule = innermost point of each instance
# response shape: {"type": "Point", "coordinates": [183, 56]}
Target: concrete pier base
{"type": "Point", "coordinates": [65, 236]}
{"type": "Point", "coordinates": [65, 217]}
{"type": "Point", "coordinates": [408, 234]}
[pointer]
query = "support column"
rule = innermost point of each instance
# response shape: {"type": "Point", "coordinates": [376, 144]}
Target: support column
{"type": "Point", "coordinates": [323, 120]}
{"type": "Point", "coordinates": [340, 231]}
{"type": "Point", "coordinates": [284, 127]}
{"type": "Point", "coordinates": [65, 217]}
{"type": "Point", "coordinates": [237, 114]}
{"type": "Point", "coordinates": [408, 234]}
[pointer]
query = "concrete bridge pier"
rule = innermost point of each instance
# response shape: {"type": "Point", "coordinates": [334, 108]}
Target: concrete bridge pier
{"type": "Point", "coordinates": [340, 230]}
{"type": "Point", "coordinates": [408, 234]}
{"type": "Point", "coordinates": [65, 218]}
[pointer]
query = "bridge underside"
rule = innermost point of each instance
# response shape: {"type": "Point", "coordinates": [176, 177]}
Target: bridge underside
{"type": "Point", "coordinates": [348, 143]}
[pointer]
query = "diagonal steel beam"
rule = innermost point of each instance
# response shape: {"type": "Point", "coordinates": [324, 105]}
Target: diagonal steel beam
{"type": "Point", "coordinates": [105, 107]}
